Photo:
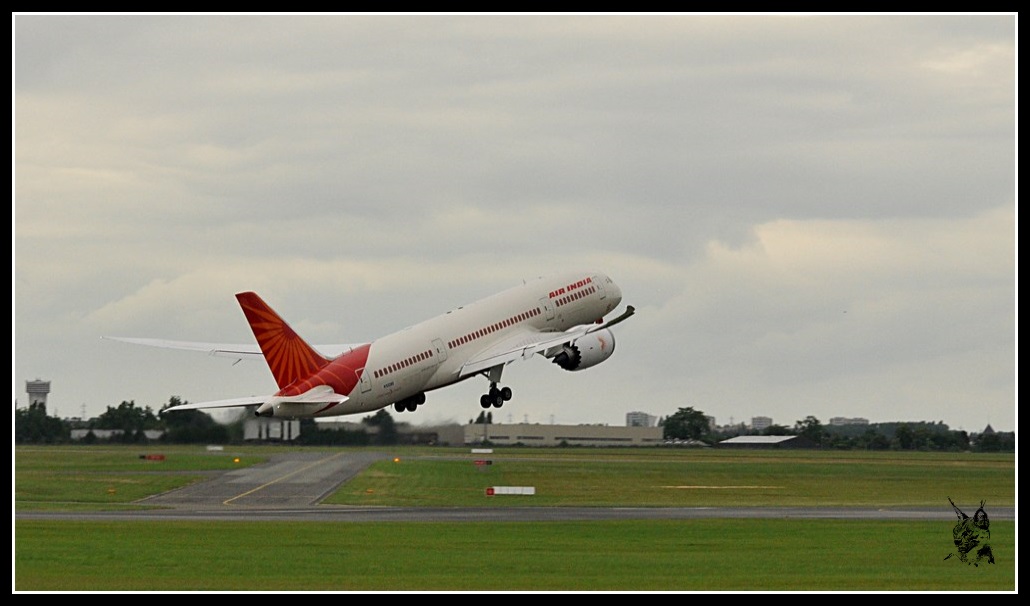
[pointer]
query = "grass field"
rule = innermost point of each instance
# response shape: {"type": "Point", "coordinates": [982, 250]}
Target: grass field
{"type": "Point", "coordinates": [679, 555]}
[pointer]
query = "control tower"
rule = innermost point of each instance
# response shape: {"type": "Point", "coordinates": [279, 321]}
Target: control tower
{"type": "Point", "coordinates": [37, 391]}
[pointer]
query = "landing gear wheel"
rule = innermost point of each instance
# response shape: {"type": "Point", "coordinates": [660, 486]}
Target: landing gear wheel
{"type": "Point", "coordinates": [399, 407]}
{"type": "Point", "coordinates": [496, 396]}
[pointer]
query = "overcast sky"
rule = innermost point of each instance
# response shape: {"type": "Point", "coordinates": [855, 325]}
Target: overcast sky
{"type": "Point", "coordinates": [813, 215]}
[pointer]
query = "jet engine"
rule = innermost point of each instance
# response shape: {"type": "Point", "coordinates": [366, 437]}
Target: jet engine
{"type": "Point", "coordinates": [586, 351]}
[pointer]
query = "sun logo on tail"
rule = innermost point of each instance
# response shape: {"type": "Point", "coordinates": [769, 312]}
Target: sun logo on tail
{"type": "Point", "coordinates": [289, 357]}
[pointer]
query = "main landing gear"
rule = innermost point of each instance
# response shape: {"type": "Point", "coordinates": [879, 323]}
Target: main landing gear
{"type": "Point", "coordinates": [496, 397]}
{"type": "Point", "coordinates": [410, 404]}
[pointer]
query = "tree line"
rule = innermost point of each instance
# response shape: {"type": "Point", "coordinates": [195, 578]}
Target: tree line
{"type": "Point", "coordinates": [129, 423]}
{"type": "Point", "coordinates": [690, 424]}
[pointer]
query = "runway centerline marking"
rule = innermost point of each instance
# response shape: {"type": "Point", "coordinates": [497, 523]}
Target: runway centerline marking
{"type": "Point", "coordinates": [280, 479]}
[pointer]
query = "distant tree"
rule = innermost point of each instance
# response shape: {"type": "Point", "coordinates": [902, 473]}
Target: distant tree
{"type": "Point", "coordinates": [32, 425]}
{"type": "Point", "coordinates": [949, 441]}
{"type": "Point", "coordinates": [988, 442]}
{"type": "Point", "coordinates": [387, 433]}
{"type": "Point", "coordinates": [776, 430]}
{"type": "Point", "coordinates": [312, 434]}
{"type": "Point", "coordinates": [1006, 441]}
{"type": "Point", "coordinates": [191, 426]}
{"type": "Point", "coordinates": [904, 437]}
{"type": "Point", "coordinates": [686, 424]}
{"type": "Point", "coordinates": [873, 440]}
{"type": "Point", "coordinates": [838, 441]}
{"type": "Point", "coordinates": [961, 439]}
{"type": "Point", "coordinates": [811, 428]}
{"type": "Point", "coordinates": [485, 418]}
{"type": "Point", "coordinates": [128, 418]}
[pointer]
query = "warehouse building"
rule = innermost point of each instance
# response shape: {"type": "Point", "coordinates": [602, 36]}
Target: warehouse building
{"type": "Point", "coordinates": [524, 434]}
{"type": "Point", "coordinates": [767, 442]}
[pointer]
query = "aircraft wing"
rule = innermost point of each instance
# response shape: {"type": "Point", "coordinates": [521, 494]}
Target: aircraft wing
{"type": "Point", "coordinates": [525, 343]}
{"type": "Point", "coordinates": [227, 350]}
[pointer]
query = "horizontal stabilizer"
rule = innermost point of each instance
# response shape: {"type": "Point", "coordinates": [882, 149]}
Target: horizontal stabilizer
{"type": "Point", "coordinates": [323, 394]}
{"type": "Point", "coordinates": [231, 403]}
{"type": "Point", "coordinates": [320, 394]}
{"type": "Point", "coordinates": [228, 350]}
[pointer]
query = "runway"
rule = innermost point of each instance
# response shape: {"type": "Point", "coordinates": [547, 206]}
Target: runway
{"type": "Point", "coordinates": [290, 486]}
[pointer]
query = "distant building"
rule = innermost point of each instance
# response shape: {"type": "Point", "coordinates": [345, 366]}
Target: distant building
{"type": "Point", "coordinates": [848, 421]}
{"type": "Point", "coordinates": [640, 419]}
{"type": "Point", "coordinates": [38, 391]}
{"type": "Point", "coordinates": [760, 423]}
{"type": "Point", "coordinates": [767, 442]}
{"type": "Point", "coordinates": [337, 423]}
{"type": "Point", "coordinates": [438, 435]}
{"type": "Point", "coordinates": [110, 434]}
{"type": "Point", "coordinates": [525, 434]}
{"type": "Point", "coordinates": [446, 435]}
{"type": "Point", "coordinates": [271, 429]}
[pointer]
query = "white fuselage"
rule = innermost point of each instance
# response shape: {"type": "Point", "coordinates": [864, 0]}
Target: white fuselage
{"type": "Point", "coordinates": [431, 354]}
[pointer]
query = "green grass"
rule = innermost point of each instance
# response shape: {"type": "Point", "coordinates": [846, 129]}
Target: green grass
{"type": "Point", "coordinates": [111, 477]}
{"type": "Point", "coordinates": [690, 555]}
{"type": "Point", "coordinates": [657, 478]}
{"type": "Point", "coordinates": [663, 555]}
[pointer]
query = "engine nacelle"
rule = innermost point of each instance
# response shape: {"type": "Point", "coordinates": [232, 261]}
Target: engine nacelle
{"type": "Point", "coordinates": [586, 351]}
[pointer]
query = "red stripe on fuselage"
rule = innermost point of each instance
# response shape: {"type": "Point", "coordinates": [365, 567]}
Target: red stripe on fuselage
{"type": "Point", "coordinates": [341, 374]}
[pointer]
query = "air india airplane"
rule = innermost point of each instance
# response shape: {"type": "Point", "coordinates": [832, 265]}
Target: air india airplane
{"type": "Point", "coordinates": [560, 317]}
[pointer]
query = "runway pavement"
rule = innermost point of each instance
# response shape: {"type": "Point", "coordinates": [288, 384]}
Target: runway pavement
{"type": "Point", "coordinates": [291, 485]}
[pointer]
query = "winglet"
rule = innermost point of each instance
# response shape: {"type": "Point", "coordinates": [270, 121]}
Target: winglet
{"type": "Point", "coordinates": [289, 357]}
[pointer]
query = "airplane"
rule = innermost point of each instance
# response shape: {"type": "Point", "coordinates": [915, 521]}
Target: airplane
{"type": "Point", "coordinates": [560, 317]}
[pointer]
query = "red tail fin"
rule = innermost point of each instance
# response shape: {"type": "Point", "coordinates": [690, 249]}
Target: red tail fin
{"type": "Point", "coordinates": [289, 357]}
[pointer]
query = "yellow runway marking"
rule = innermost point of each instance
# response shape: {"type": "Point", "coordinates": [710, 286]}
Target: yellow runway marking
{"type": "Point", "coordinates": [267, 484]}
